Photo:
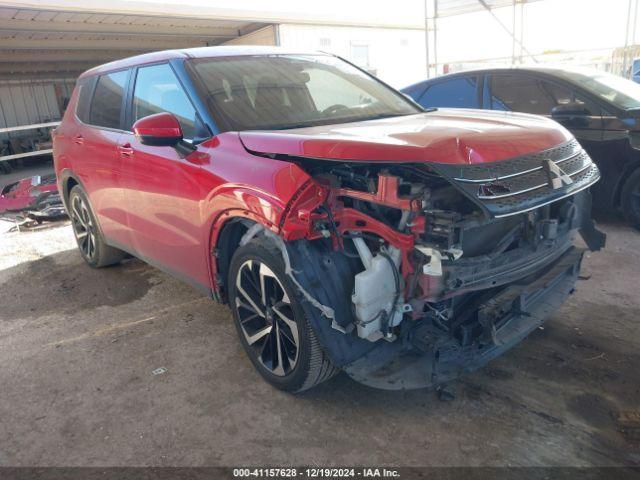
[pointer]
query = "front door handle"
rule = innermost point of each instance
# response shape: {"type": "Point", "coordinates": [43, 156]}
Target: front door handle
{"type": "Point", "coordinates": [126, 150]}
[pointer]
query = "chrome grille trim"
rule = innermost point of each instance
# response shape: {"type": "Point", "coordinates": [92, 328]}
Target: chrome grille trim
{"type": "Point", "coordinates": [521, 184]}
{"type": "Point", "coordinates": [511, 175]}
{"type": "Point", "coordinates": [581, 169]}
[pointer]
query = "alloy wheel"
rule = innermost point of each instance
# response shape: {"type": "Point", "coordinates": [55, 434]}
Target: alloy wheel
{"type": "Point", "coordinates": [83, 226]}
{"type": "Point", "coordinates": [266, 318]}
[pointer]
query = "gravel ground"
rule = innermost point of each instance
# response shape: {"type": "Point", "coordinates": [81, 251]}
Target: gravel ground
{"type": "Point", "coordinates": [128, 366]}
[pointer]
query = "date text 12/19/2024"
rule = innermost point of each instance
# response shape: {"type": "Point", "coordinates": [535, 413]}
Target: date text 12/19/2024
{"type": "Point", "coordinates": [315, 472]}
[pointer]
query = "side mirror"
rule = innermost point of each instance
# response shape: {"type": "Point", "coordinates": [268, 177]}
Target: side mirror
{"type": "Point", "coordinates": [573, 109]}
{"type": "Point", "coordinates": [159, 130]}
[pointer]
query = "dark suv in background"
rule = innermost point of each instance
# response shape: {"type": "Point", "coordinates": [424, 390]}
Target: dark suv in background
{"type": "Point", "coordinates": [600, 109]}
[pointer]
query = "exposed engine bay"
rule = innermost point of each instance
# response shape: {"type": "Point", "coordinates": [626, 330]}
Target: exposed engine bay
{"type": "Point", "coordinates": [438, 268]}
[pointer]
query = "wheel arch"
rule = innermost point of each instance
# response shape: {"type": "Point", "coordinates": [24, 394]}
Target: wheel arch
{"type": "Point", "coordinates": [227, 231]}
{"type": "Point", "coordinates": [67, 181]}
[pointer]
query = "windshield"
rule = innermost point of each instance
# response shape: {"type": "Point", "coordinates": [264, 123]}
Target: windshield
{"type": "Point", "coordinates": [293, 91]}
{"type": "Point", "coordinates": [618, 90]}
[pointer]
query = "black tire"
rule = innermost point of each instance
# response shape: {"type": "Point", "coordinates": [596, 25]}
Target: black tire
{"type": "Point", "coordinates": [631, 199]}
{"type": "Point", "coordinates": [258, 267]}
{"type": "Point", "coordinates": [93, 249]}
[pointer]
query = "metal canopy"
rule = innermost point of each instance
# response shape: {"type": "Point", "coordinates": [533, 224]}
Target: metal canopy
{"type": "Point", "coordinates": [448, 8]}
{"type": "Point", "coordinates": [48, 43]}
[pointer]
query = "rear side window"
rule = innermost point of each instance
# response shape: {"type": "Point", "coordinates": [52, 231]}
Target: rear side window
{"type": "Point", "coordinates": [158, 90]}
{"type": "Point", "coordinates": [85, 88]}
{"type": "Point", "coordinates": [106, 106]}
{"type": "Point", "coordinates": [454, 93]}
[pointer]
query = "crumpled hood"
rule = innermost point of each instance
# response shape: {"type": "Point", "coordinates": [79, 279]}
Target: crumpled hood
{"type": "Point", "coordinates": [452, 136]}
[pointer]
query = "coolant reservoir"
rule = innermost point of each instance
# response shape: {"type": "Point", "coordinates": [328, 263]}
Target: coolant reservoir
{"type": "Point", "coordinates": [374, 292]}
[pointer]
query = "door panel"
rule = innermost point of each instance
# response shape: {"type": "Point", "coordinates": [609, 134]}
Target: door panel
{"type": "Point", "coordinates": [163, 207]}
{"type": "Point", "coordinates": [161, 188]}
{"type": "Point", "coordinates": [95, 159]}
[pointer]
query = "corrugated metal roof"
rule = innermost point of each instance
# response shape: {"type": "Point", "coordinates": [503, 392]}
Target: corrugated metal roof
{"type": "Point", "coordinates": [65, 34]}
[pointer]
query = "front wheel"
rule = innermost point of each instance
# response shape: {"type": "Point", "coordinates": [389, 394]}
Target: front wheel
{"type": "Point", "coordinates": [631, 199]}
{"type": "Point", "coordinates": [270, 320]}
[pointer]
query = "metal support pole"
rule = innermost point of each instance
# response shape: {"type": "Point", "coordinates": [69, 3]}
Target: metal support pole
{"type": "Point", "coordinates": [625, 52]}
{"type": "Point", "coordinates": [435, 37]}
{"type": "Point", "coordinates": [426, 36]}
{"type": "Point", "coordinates": [513, 37]}
{"type": "Point", "coordinates": [521, 29]}
{"type": "Point", "coordinates": [505, 28]}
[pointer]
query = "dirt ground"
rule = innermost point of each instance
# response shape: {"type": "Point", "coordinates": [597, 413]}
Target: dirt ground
{"type": "Point", "coordinates": [128, 366]}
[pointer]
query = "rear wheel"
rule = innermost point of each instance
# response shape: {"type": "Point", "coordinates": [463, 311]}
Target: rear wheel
{"type": "Point", "coordinates": [270, 320]}
{"type": "Point", "coordinates": [91, 244]}
{"type": "Point", "coordinates": [631, 199]}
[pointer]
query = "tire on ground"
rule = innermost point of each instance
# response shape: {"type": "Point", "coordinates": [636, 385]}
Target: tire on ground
{"type": "Point", "coordinates": [313, 365]}
{"type": "Point", "coordinates": [104, 255]}
{"type": "Point", "coordinates": [631, 199]}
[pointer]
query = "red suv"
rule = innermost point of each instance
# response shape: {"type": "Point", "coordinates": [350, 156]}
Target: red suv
{"type": "Point", "coordinates": [346, 227]}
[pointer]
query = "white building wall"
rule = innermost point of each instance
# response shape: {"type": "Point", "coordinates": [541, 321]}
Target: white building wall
{"type": "Point", "coordinates": [396, 56]}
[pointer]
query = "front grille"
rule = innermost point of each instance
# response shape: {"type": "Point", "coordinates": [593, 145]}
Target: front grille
{"type": "Point", "coordinates": [520, 184]}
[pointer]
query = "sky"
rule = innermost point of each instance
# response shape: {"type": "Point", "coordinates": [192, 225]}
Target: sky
{"type": "Point", "coordinates": [549, 24]}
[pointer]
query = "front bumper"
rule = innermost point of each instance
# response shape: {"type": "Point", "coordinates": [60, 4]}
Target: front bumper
{"type": "Point", "coordinates": [509, 317]}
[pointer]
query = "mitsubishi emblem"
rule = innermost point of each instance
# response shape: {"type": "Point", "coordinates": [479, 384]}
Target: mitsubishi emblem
{"type": "Point", "coordinates": [557, 177]}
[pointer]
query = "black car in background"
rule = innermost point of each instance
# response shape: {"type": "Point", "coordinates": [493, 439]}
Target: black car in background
{"type": "Point", "coordinates": [600, 109]}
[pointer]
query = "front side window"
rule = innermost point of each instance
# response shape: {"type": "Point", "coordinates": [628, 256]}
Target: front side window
{"type": "Point", "coordinates": [157, 89]}
{"type": "Point", "coordinates": [290, 91]}
{"type": "Point", "coordinates": [454, 93]}
{"type": "Point", "coordinates": [106, 105]}
{"type": "Point", "coordinates": [519, 93]}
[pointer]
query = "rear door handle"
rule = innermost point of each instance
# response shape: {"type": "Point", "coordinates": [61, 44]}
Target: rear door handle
{"type": "Point", "coordinates": [78, 139]}
{"type": "Point", "coordinates": [126, 150]}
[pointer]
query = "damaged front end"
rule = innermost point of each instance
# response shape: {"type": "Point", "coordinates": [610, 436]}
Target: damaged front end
{"type": "Point", "coordinates": [431, 270]}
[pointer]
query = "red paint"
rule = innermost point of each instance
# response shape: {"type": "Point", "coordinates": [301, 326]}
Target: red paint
{"type": "Point", "coordinates": [161, 125]}
{"type": "Point", "coordinates": [443, 136]}
{"type": "Point", "coordinates": [22, 194]}
{"type": "Point", "coordinates": [169, 208]}
{"type": "Point", "coordinates": [387, 194]}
